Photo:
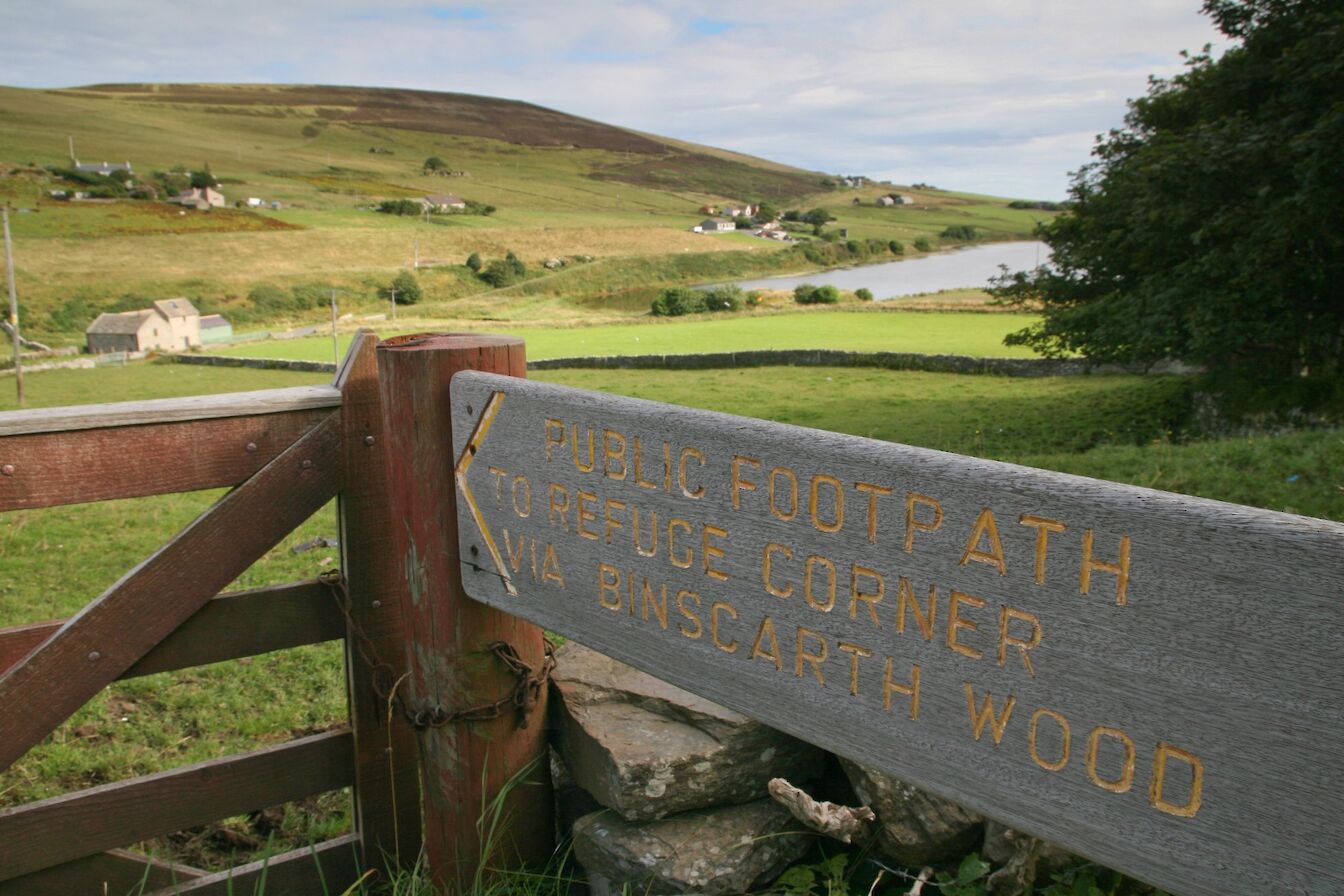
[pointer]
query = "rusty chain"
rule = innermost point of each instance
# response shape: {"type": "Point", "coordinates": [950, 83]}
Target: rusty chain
{"type": "Point", "coordinates": [524, 696]}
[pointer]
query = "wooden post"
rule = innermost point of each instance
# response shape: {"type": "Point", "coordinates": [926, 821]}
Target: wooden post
{"type": "Point", "coordinates": [387, 785]}
{"type": "Point", "coordinates": [465, 766]}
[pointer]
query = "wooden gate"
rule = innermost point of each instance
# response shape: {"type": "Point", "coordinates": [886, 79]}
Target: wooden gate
{"type": "Point", "coordinates": [286, 452]}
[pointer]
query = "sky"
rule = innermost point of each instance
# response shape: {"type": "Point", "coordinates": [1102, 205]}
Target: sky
{"type": "Point", "coordinates": [995, 96]}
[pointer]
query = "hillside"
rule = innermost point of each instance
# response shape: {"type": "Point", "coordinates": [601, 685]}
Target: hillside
{"type": "Point", "coordinates": [562, 187]}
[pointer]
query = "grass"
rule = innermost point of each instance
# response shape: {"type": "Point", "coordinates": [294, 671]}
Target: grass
{"type": "Point", "coordinates": [868, 330]}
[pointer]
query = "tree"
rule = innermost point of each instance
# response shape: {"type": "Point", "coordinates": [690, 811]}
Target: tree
{"type": "Point", "coordinates": [434, 163]}
{"type": "Point", "coordinates": [203, 178]}
{"type": "Point", "coordinates": [1210, 227]}
{"type": "Point", "coordinates": [407, 289]}
{"type": "Point", "coordinates": [474, 262]}
{"type": "Point", "coordinates": [818, 217]}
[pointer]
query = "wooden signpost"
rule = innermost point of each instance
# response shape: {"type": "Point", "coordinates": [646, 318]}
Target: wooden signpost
{"type": "Point", "coordinates": [1152, 681]}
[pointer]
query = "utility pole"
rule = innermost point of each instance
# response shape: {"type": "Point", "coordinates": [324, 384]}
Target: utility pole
{"type": "Point", "coordinates": [13, 307]}
{"type": "Point", "coordinates": [73, 160]}
{"type": "Point", "coordinates": [416, 262]}
{"type": "Point", "coordinates": [394, 303]}
{"type": "Point", "coordinates": [335, 349]}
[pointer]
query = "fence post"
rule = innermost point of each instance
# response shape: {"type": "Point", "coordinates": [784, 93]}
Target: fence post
{"type": "Point", "coordinates": [387, 785]}
{"type": "Point", "coordinates": [465, 766]}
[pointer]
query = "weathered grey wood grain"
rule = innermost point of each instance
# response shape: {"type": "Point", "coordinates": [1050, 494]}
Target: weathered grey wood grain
{"type": "Point", "coordinates": [168, 410]}
{"type": "Point", "coordinates": [1203, 700]}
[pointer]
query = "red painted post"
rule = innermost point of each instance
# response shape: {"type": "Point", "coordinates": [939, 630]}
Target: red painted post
{"type": "Point", "coordinates": [464, 765]}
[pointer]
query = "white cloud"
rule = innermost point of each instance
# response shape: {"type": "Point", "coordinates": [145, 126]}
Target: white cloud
{"type": "Point", "coordinates": [995, 95]}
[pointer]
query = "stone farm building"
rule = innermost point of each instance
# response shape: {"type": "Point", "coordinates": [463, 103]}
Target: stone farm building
{"type": "Point", "coordinates": [200, 198]}
{"type": "Point", "coordinates": [714, 225]}
{"type": "Point", "coordinates": [442, 202]}
{"type": "Point", "coordinates": [214, 328]}
{"type": "Point", "coordinates": [171, 325]}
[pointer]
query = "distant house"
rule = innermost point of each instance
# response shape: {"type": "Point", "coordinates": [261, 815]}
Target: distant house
{"type": "Point", "coordinates": [170, 325]}
{"type": "Point", "coordinates": [104, 169]}
{"type": "Point", "coordinates": [741, 211]}
{"type": "Point", "coordinates": [895, 199]}
{"type": "Point", "coordinates": [714, 225]}
{"type": "Point", "coordinates": [442, 202]}
{"type": "Point", "coordinates": [886, 201]}
{"type": "Point", "coordinates": [200, 198]}
{"type": "Point", "coordinates": [214, 328]}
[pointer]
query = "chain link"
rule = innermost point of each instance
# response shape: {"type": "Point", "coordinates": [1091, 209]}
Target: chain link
{"type": "Point", "coordinates": [524, 696]}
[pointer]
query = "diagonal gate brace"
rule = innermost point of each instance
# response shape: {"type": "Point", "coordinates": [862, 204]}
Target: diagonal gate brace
{"type": "Point", "coordinates": [122, 625]}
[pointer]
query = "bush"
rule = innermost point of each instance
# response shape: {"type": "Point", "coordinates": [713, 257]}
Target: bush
{"type": "Point", "coordinates": [267, 297]}
{"type": "Point", "coordinates": [434, 163]}
{"type": "Point", "coordinates": [399, 207]}
{"type": "Point", "coordinates": [678, 301]}
{"type": "Point", "coordinates": [863, 294]}
{"type": "Point", "coordinates": [474, 262]}
{"type": "Point", "coordinates": [923, 245]}
{"type": "Point", "coordinates": [807, 294]}
{"type": "Point", "coordinates": [504, 271]}
{"type": "Point", "coordinates": [405, 289]}
{"type": "Point", "coordinates": [896, 247]}
{"type": "Point", "coordinates": [960, 232]}
{"type": "Point", "coordinates": [723, 298]}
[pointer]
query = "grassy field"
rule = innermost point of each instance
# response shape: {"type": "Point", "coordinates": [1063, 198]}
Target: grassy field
{"type": "Point", "coordinates": [867, 330]}
{"type": "Point", "coordinates": [562, 187]}
{"type": "Point", "coordinates": [58, 559]}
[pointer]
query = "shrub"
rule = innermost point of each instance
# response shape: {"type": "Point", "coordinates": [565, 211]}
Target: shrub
{"type": "Point", "coordinates": [896, 247]}
{"type": "Point", "coordinates": [723, 298]}
{"type": "Point", "coordinates": [474, 262]}
{"type": "Point", "coordinates": [407, 289]}
{"type": "Point", "coordinates": [434, 163]}
{"type": "Point", "coordinates": [923, 245]}
{"type": "Point", "coordinates": [504, 271]}
{"type": "Point", "coordinates": [807, 294]}
{"type": "Point", "coordinates": [755, 298]}
{"type": "Point", "coordinates": [863, 294]}
{"type": "Point", "coordinates": [267, 297]}
{"type": "Point", "coordinates": [959, 232]}
{"type": "Point", "coordinates": [399, 207]}
{"type": "Point", "coordinates": [678, 301]}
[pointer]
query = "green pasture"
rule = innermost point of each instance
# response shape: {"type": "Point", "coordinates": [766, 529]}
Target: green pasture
{"type": "Point", "coordinates": [976, 335]}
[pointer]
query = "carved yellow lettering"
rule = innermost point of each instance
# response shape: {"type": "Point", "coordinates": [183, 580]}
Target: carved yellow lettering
{"type": "Point", "coordinates": [802, 656]}
{"type": "Point", "coordinates": [767, 630]}
{"type": "Point", "coordinates": [517, 552]}
{"type": "Point", "coordinates": [684, 561]}
{"type": "Point", "coordinates": [555, 436]}
{"type": "Point", "coordinates": [1006, 615]}
{"type": "Point", "coordinates": [574, 450]}
{"type": "Point", "coordinates": [1123, 782]}
{"type": "Point", "coordinates": [683, 477]}
{"type": "Point", "coordinates": [855, 653]}
{"type": "Point", "coordinates": [692, 633]}
{"type": "Point", "coordinates": [1187, 809]}
{"type": "Point", "coordinates": [985, 527]}
{"type": "Point", "coordinates": [873, 492]}
{"type": "Point", "coordinates": [1120, 569]}
{"type": "Point", "coordinates": [791, 510]}
{"type": "Point", "coordinates": [812, 562]}
{"type": "Point", "coordinates": [611, 522]}
{"type": "Point", "coordinates": [659, 607]}
{"type": "Point", "coordinates": [909, 689]}
{"type": "Point", "coordinates": [499, 475]}
{"type": "Point", "coordinates": [997, 720]}
{"type": "Point", "coordinates": [955, 622]}
{"type": "Point", "coordinates": [715, 609]}
{"type": "Point", "coordinates": [608, 582]}
{"type": "Point", "coordinates": [1043, 526]}
{"type": "Point", "coordinates": [739, 482]}
{"type": "Point", "coordinates": [653, 533]}
{"type": "Point", "coordinates": [767, 566]}
{"type": "Point", "coordinates": [837, 521]}
{"type": "Point", "coordinates": [613, 450]}
{"type": "Point", "coordinates": [522, 506]}
{"type": "Point", "coordinates": [1050, 765]}
{"type": "Point", "coordinates": [558, 505]}
{"type": "Point", "coordinates": [586, 514]}
{"type": "Point", "coordinates": [913, 522]}
{"type": "Point", "coordinates": [639, 467]}
{"type": "Point", "coordinates": [906, 600]}
{"type": "Point", "coordinates": [709, 551]}
{"type": "Point", "coordinates": [550, 565]}
{"type": "Point", "coordinates": [869, 598]}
